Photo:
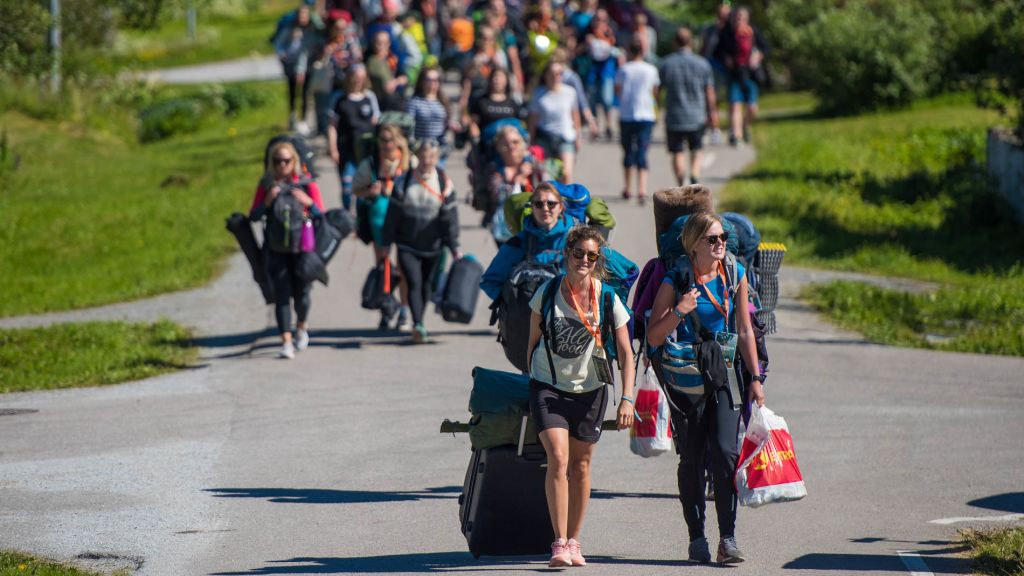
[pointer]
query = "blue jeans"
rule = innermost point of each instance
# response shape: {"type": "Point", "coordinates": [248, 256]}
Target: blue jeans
{"type": "Point", "coordinates": [347, 170]}
{"type": "Point", "coordinates": [635, 137]}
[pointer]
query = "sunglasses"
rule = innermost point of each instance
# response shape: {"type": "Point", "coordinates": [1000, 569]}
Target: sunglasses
{"type": "Point", "coordinates": [539, 204]}
{"type": "Point", "coordinates": [713, 239]}
{"type": "Point", "coordinates": [280, 160]}
{"type": "Point", "coordinates": [580, 254]}
{"type": "Point", "coordinates": [433, 79]}
{"type": "Point", "coordinates": [386, 140]}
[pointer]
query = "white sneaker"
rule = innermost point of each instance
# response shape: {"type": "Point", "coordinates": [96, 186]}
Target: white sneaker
{"type": "Point", "coordinates": [301, 339]}
{"type": "Point", "coordinates": [302, 128]}
{"type": "Point", "coordinates": [287, 351]}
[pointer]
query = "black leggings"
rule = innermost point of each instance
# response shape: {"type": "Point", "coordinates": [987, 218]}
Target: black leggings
{"type": "Point", "coordinates": [417, 271]}
{"type": "Point", "coordinates": [288, 287]}
{"type": "Point", "coordinates": [293, 86]}
{"type": "Point", "coordinates": [718, 422]}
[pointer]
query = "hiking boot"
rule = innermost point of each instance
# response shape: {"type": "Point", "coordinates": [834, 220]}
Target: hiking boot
{"type": "Point", "coordinates": [419, 334]}
{"type": "Point", "coordinates": [560, 557]}
{"type": "Point", "coordinates": [575, 553]}
{"type": "Point", "coordinates": [301, 339]}
{"type": "Point", "coordinates": [287, 351]}
{"type": "Point", "coordinates": [385, 323]}
{"type": "Point", "coordinates": [733, 140]}
{"type": "Point", "coordinates": [729, 552]}
{"type": "Point", "coordinates": [699, 551]}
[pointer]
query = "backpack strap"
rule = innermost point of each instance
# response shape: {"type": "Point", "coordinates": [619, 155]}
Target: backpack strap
{"type": "Point", "coordinates": [678, 280]}
{"type": "Point", "coordinates": [547, 322]}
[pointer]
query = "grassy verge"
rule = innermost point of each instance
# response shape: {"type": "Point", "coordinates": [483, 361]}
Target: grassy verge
{"type": "Point", "coordinates": [219, 37]}
{"type": "Point", "coordinates": [90, 354]}
{"type": "Point", "coordinates": [92, 217]}
{"type": "Point", "coordinates": [18, 564]}
{"type": "Point", "coordinates": [899, 194]}
{"type": "Point", "coordinates": [997, 552]}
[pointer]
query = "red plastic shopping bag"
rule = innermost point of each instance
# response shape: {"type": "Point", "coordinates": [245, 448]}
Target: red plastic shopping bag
{"type": "Point", "coordinates": [651, 435]}
{"type": "Point", "coordinates": [767, 470]}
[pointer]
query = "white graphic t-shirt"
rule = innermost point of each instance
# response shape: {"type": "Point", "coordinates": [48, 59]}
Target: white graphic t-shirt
{"type": "Point", "coordinates": [573, 343]}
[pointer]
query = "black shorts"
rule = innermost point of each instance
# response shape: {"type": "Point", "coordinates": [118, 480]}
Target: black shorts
{"type": "Point", "coordinates": [581, 414]}
{"type": "Point", "coordinates": [693, 138]}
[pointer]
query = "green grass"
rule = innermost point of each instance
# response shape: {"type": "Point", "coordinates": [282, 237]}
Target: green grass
{"type": "Point", "coordinates": [18, 564]}
{"type": "Point", "coordinates": [219, 37]}
{"type": "Point", "coordinates": [900, 193]}
{"type": "Point", "coordinates": [90, 354]}
{"type": "Point", "coordinates": [997, 552]}
{"type": "Point", "coordinates": [91, 217]}
{"type": "Point", "coordinates": [985, 315]}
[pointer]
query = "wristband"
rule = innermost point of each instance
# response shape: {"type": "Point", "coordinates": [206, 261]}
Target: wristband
{"type": "Point", "coordinates": [627, 399]}
{"type": "Point", "coordinates": [677, 313]}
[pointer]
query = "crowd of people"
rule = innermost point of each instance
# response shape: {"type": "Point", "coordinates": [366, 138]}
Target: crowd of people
{"type": "Point", "coordinates": [537, 77]}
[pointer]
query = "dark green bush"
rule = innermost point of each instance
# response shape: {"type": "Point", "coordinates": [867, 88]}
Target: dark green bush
{"type": "Point", "coordinates": [238, 98]}
{"type": "Point", "coordinates": [170, 117]}
{"type": "Point", "coordinates": [862, 55]}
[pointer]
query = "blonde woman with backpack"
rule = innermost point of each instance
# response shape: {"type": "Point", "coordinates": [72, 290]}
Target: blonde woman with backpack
{"type": "Point", "coordinates": [286, 197]}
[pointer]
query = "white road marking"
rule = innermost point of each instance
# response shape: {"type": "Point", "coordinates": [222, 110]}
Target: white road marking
{"type": "Point", "coordinates": [709, 159]}
{"type": "Point", "coordinates": [1003, 518]}
{"type": "Point", "coordinates": [914, 563]}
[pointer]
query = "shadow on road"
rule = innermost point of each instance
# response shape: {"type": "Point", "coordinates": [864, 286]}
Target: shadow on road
{"type": "Point", "coordinates": [428, 563]}
{"type": "Point", "coordinates": [1009, 502]}
{"type": "Point", "coordinates": [325, 496]}
{"type": "Point", "coordinates": [596, 494]}
{"type": "Point", "coordinates": [938, 561]}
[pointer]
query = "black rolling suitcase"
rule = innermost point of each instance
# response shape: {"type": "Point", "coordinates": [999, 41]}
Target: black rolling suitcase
{"type": "Point", "coordinates": [503, 508]}
{"type": "Point", "coordinates": [461, 290]}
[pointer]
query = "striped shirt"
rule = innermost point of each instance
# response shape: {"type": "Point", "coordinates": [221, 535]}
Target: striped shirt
{"type": "Point", "coordinates": [430, 117]}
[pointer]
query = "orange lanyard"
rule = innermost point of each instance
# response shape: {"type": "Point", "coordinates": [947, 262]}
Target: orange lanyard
{"type": "Point", "coordinates": [596, 330]}
{"type": "Point", "coordinates": [720, 273]}
{"type": "Point", "coordinates": [430, 188]}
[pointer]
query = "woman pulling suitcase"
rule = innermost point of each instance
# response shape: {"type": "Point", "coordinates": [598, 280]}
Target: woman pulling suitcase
{"type": "Point", "coordinates": [570, 369]}
{"type": "Point", "coordinates": [422, 219]}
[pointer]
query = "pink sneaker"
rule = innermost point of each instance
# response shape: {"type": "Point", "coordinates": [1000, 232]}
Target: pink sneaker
{"type": "Point", "coordinates": [560, 554]}
{"type": "Point", "coordinates": [575, 555]}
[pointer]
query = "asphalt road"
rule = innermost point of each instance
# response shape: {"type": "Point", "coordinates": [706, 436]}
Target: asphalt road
{"type": "Point", "coordinates": [333, 464]}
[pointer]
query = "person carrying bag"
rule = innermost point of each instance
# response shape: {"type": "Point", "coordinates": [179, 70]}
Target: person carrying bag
{"type": "Point", "coordinates": [697, 302]}
{"type": "Point", "coordinates": [577, 328]}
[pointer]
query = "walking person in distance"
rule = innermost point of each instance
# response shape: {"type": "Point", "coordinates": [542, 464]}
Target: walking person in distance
{"type": "Point", "coordinates": [688, 83]}
{"type": "Point", "coordinates": [287, 199]}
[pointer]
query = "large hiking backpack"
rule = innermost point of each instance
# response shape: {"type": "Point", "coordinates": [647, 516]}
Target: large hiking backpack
{"type": "Point", "coordinates": [511, 311]}
{"type": "Point", "coordinates": [747, 241]}
{"type": "Point", "coordinates": [579, 204]}
{"type": "Point", "coordinates": [284, 223]}
{"type": "Point", "coordinates": [670, 250]}
{"type": "Point", "coordinates": [306, 154]}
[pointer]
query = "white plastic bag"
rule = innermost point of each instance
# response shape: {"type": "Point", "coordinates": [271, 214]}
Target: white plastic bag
{"type": "Point", "coordinates": [767, 470]}
{"type": "Point", "coordinates": [653, 435]}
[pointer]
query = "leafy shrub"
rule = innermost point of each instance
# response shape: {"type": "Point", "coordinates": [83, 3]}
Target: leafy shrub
{"type": "Point", "coordinates": [1006, 60]}
{"type": "Point", "coordinates": [23, 40]}
{"type": "Point", "coordinates": [170, 117]}
{"type": "Point", "coordinates": [238, 98]}
{"type": "Point", "coordinates": [862, 55]}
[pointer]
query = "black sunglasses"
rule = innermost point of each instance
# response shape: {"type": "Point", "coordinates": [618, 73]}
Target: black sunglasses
{"type": "Point", "coordinates": [549, 204]}
{"type": "Point", "coordinates": [580, 254]}
{"type": "Point", "coordinates": [279, 160]}
{"type": "Point", "coordinates": [713, 239]}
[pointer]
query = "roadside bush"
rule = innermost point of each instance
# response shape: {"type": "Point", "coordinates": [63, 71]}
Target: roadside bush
{"type": "Point", "coordinates": [170, 117]}
{"type": "Point", "coordinates": [863, 55]}
{"type": "Point", "coordinates": [1006, 61]}
{"type": "Point", "coordinates": [186, 112]}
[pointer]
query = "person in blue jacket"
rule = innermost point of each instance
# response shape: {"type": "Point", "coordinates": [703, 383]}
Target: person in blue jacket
{"type": "Point", "coordinates": [542, 238]}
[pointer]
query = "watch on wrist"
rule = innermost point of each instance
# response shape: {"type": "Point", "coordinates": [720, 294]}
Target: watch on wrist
{"type": "Point", "coordinates": [760, 378]}
{"type": "Point", "coordinates": [677, 312]}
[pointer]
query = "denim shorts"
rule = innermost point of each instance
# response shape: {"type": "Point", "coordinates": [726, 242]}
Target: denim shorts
{"type": "Point", "coordinates": [743, 91]}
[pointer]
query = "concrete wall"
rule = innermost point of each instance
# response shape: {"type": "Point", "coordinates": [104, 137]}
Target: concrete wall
{"type": "Point", "coordinates": [1006, 165]}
